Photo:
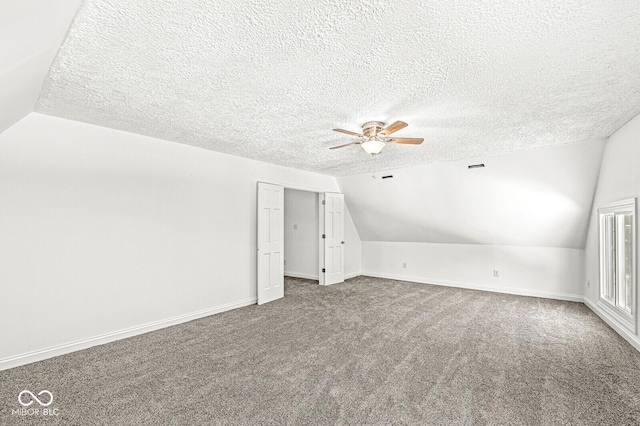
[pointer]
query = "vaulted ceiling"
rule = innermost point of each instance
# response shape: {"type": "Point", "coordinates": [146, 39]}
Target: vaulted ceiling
{"type": "Point", "coordinates": [538, 198]}
{"type": "Point", "coordinates": [269, 80]}
{"type": "Point", "coordinates": [31, 32]}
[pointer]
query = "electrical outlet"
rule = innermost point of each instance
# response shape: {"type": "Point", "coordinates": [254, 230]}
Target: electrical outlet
{"type": "Point", "coordinates": [496, 273]}
{"type": "Point", "coordinates": [295, 226]}
{"type": "Point", "coordinates": [588, 283]}
{"type": "Point", "coordinates": [404, 265]}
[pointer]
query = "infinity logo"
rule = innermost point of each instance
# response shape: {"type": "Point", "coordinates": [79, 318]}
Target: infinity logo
{"type": "Point", "coordinates": [35, 397]}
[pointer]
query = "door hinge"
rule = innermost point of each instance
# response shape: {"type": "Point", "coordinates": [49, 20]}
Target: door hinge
{"type": "Point", "coordinates": [324, 202]}
{"type": "Point", "coordinates": [323, 271]}
{"type": "Point", "coordinates": [324, 236]}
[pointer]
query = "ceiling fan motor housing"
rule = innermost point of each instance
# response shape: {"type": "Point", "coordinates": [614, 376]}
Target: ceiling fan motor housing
{"type": "Point", "coordinates": [372, 128]}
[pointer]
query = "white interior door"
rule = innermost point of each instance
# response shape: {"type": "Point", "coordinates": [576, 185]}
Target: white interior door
{"type": "Point", "coordinates": [270, 232]}
{"type": "Point", "coordinates": [333, 238]}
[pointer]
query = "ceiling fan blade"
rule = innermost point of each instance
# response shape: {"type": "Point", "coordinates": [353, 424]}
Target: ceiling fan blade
{"type": "Point", "coordinates": [392, 128]}
{"type": "Point", "coordinates": [347, 132]}
{"type": "Point", "coordinates": [412, 141]}
{"type": "Point", "coordinates": [346, 144]}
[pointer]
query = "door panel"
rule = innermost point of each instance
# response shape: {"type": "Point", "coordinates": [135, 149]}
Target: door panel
{"type": "Point", "coordinates": [270, 244]}
{"type": "Point", "coordinates": [334, 238]}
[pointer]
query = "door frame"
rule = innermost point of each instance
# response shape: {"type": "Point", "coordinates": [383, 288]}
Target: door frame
{"type": "Point", "coordinates": [320, 240]}
{"type": "Point", "coordinates": [321, 230]}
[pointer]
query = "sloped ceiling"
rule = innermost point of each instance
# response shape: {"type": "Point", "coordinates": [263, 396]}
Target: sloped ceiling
{"type": "Point", "coordinates": [539, 198]}
{"type": "Point", "coordinates": [31, 32]}
{"type": "Point", "coordinates": [269, 80]}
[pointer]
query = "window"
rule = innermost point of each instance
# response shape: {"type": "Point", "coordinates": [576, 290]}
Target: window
{"type": "Point", "coordinates": [617, 261]}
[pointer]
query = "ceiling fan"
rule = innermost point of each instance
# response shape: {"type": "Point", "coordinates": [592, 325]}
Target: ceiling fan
{"type": "Point", "coordinates": [375, 136]}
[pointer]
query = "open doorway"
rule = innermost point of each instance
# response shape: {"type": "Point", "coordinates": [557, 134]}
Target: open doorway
{"type": "Point", "coordinates": [329, 225]}
{"type": "Point", "coordinates": [301, 236]}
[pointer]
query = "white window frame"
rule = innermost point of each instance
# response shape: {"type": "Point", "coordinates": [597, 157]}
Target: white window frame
{"type": "Point", "coordinates": [618, 314]}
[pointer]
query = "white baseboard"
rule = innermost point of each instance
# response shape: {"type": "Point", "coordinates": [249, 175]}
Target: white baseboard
{"type": "Point", "coordinates": [300, 275]}
{"type": "Point", "coordinates": [39, 355]}
{"type": "Point", "coordinates": [494, 289]}
{"type": "Point", "coordinates": [622, 331]}
{"type": "Point", "coordinates": [315, 277]}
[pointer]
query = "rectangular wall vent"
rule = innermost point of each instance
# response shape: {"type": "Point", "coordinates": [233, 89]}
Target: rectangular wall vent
{"type": "Point", "coordinates": [476, 166]}
{"type": "Point", "coordinates": [387, 177]}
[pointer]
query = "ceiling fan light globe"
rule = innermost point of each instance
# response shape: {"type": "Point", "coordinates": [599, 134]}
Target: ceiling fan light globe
{"type": "Point", "coordinates": [373, 147]}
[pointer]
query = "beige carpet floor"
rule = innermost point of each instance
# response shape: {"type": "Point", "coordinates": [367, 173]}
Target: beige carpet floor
{"type": "Point", "coordinates": [369, 351]}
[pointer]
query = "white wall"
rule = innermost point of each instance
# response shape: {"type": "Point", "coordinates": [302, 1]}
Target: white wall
{"type": "Point", "coordinates": [301, 229]}
{"type": "Point", "coordinates": [524, 214]}
{"type": "Point", "coordinates": [106, 234]}
{"type": "Point", "coordinates": [619, 179]}
{"type": "Point", "coordinates": [535, 271]}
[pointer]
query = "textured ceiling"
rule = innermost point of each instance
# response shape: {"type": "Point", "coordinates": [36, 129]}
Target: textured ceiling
{"type": "Point", "coordinates": [269, 80]}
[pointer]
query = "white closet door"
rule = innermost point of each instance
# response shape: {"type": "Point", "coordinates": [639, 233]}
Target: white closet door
{"type": "Point", "coordinates": [333, 238]}
{"type": "Point", "coordinates": [270, 264]}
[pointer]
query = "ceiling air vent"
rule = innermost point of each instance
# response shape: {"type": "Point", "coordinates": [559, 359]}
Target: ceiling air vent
{"type": "Point", "coordinates": [476, 166]}
{"type": "Point", "coordinates": [387, 177]}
